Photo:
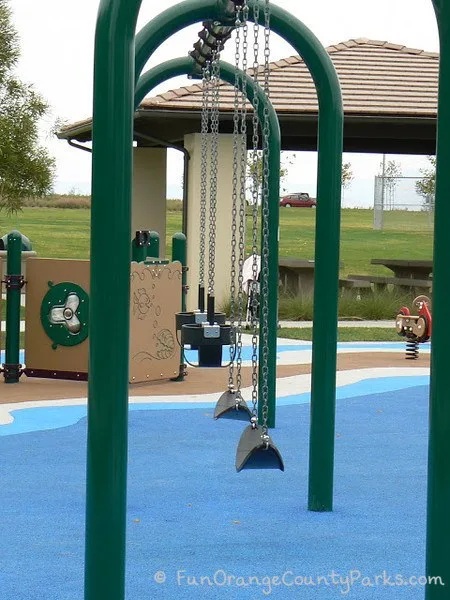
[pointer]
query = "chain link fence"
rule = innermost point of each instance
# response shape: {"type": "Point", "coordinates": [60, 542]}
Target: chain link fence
{"type": "Point", "coordinates": [399, 205]}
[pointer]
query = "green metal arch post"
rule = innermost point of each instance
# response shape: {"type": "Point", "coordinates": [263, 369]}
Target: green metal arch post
{"type": "Point", "coordinates": [326, 286]}
{"type": "Point", "coordinates": [438, 518]}
{"type": "Point", "coordinates": [110, 295]}
{"type": "Point", "coordinates": [185, 66]}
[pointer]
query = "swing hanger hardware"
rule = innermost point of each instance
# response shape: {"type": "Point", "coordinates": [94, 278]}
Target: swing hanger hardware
{"type": "Point", "coordinates": [199, 317]}
{"type": "Point", "coordinates": [211, 331]}
{"type": "Point", "coordinates": [227, 10]}
{"type": "Point", "coordinates": [212, 40]}
{"type": "Point", "coordinates": [215, 34]}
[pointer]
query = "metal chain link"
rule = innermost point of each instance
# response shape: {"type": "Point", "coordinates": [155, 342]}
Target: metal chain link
{"type": "Point", "coordinates": [204, 170]}
{"type": "Point", "coordinates": [234, 208]}
{"type": "Point", "coordinates": [264, 334]}
{"type": "Point", "coordinates": [255, 202]}
{"type": "Point", "coordinates": [215, 83]}
{"type": "Point", "coordinates": [242, 197]}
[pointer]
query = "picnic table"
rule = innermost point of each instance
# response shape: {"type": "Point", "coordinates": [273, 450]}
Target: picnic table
{"type": "Point", "coordinates": [408, 274]}
{"type": "Point", "coordinates": [297, 276]}
{"type": "Point", "coordinates": [406, 269]}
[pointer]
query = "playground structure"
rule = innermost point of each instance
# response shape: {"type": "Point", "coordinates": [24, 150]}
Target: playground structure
{"type": "Point", "coordinates": [57, 313]}
{"type": "Point", "coordinates": [115, 81]}
{"type": "Point", "coordinates": [415, 328]}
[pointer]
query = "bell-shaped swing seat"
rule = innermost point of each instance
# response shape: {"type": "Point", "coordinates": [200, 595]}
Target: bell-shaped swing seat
{"type": "Point", "coordinates": [231, 405]}
{"type": "Point", "coordinates": [257, 451]}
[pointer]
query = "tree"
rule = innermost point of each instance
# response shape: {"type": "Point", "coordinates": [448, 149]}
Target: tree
{"type": "Point", "coordinates": [254, 173]}
{"type": "Point", "coordinates": [26, 168]}
{"type": "Point", "coordinates": [390, 171]}
{"type": "Point", "coordinates": [347, 175]}
{"type": "Point", "coordinates": [426, 187]}
{"type": "Point", "coordinates": [347, 178]}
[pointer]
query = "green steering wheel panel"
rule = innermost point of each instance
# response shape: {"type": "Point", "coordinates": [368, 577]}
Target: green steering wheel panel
{"type": "Point", "coordinates": [64, 314]}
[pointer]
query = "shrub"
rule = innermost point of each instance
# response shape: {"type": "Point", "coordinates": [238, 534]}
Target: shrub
{"type": "Point", "coordinates": [60, 201]}
{"type": "Point", "coordinates": [371, 307]}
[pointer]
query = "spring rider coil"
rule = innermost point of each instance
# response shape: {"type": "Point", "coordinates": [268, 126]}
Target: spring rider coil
{"type": "Point", "coordinates": [415, 328]}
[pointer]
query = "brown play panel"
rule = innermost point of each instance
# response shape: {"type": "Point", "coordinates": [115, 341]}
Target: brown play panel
{"type": "Point", "coordinates": [155, 299]}
{"type": "Point", "coordinates": [41, 359]}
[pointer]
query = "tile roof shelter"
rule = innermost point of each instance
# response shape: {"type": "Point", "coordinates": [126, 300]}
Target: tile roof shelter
{"type": "Point", "coordinates": [390, 106]}
{"type": "Point", "coordinates": [389, 93]}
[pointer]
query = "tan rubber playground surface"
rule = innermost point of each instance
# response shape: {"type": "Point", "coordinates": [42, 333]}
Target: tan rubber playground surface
{"type": "Point", "coordinates": [198, 381]}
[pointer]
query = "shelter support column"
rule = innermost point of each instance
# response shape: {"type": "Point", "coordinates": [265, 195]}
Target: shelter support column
{"type": "Point", "coordinates": [149, 191]}
{"type": "Point", "coordinates": [192, 143]}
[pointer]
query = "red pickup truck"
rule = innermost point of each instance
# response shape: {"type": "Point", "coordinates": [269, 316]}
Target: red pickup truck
{"type": "Point", "coordinates": [299, 199]}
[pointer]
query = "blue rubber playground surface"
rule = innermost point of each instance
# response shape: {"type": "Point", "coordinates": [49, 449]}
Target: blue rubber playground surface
{"type": "Point", "coordinates": [198, 529]}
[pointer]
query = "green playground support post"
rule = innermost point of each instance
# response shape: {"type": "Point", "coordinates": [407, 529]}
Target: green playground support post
{"type": "Point", "coordinates": [138, 251]}
{"type": "Point", "coordinates": [110, 296]}
{"type": "Point", "coordinates": [438, 517]}
{"type": "Point", "coordinates": [179, 248]}
{"type": "Point", "coordinates": [153, 246]}
{"type": "Point", "coordinates": [179, 252]}
{"type": "Point", "coordinates": [14, 279]}
{"type": "Point", "coordinates": [326, 276]}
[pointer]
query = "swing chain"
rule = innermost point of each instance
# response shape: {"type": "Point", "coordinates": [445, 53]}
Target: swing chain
{"type": "Point", "coordinates": [242, 196]}
{"type": "Point", "coordinates": [234, 211]}
{"type": "Point", "coordinates": [255, 201]}
{"type": "Point", "coordinates": [204, 175]}
{"type": "Point", "coordinates": [264, 338]}
{"type": "Point", "coordinates": [215, 72]}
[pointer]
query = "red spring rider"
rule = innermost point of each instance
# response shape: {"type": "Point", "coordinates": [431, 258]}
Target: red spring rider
{"type": "Point", "coordinates": [416, 329]}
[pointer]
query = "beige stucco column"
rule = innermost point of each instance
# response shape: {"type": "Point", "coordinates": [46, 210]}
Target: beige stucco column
{"type": "Point", "coordinates": [192, 143]}
{"type": "Point", "coordinates": [149, 192]}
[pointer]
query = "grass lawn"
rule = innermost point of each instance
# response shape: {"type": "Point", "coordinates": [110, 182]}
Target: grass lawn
{"type": "Point", "coordinates": [22, 340]}
{"type": "Point", "coordinates": [3, 310]}
{"type": "Point", "coordinates": [64, 233]}
{"type": "Point", "coordinates": [359, 242]}
{"type": "Point", "coordinates": [345, 334]}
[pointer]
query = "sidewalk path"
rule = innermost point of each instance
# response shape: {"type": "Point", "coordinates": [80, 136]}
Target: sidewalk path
{"type": "Point", "coordinates": [305, 324]}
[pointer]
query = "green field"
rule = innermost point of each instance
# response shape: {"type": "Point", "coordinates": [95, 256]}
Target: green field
{"type": "Point", "coordinates": [64, 233]}
{"type": "Point", "coordinates": [3, 309]}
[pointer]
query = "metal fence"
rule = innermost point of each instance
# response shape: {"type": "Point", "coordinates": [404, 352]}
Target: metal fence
{"type": "Point", "coordinates": [399, 205]}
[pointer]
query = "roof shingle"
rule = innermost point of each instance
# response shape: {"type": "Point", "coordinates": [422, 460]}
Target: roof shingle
{"type": "Point", "coordinates": [376, 77]}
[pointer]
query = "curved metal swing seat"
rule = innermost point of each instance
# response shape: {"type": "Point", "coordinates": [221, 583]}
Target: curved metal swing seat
{"type": "Point", "coordinates": [254, 452]}
{"type": "Point", "coordinates": [231, 405]}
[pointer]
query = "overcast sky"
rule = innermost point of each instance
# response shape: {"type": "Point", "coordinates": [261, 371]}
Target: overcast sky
{"type": "Point", "coordinates": [57, 40]}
